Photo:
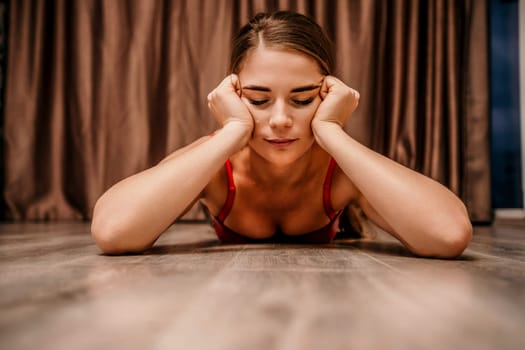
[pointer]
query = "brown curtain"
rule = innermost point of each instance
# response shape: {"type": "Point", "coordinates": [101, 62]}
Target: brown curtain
{"type": "Point", "coordinates": [100, 89]}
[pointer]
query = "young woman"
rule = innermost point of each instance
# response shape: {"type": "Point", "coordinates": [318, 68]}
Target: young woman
{"type": "Point", "coordinates": [281, 167]}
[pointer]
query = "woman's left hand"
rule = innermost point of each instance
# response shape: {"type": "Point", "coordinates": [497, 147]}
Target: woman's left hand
{"type": "Point", "coordinates": [339, 101]}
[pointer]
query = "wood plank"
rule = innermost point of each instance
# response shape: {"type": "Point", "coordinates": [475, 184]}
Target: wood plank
{"type": "Point", "coordinates": [58, 292]}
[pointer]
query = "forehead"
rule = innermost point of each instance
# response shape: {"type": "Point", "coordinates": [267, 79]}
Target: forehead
{"type": "Point", "coordinates": [273, 66]}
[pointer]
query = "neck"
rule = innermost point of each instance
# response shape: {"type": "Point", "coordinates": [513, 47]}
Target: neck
{"type": "Point", "coordinates": [281, 175]}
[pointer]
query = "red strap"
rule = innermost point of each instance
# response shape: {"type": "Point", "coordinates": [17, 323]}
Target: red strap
{"type": "Point", "coordinates": [227, 207]}
{"type": "Point", "coordinates": [327, 200]}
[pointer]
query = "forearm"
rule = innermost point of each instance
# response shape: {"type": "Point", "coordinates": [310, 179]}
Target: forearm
{"type": "Point", "coordinates": [424, 214]}
{"type": "Point", "coordinates": [131, 215]}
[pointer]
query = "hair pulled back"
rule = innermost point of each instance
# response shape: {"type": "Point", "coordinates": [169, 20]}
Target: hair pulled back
{"type": "Point", "coordinates": [283, 30]}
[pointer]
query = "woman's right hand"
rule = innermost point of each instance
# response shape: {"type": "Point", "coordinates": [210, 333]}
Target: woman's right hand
{"type": "Point", "coordinates": [227, 107]}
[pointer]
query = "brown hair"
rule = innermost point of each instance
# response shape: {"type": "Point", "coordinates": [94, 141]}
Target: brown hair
{"type": "Point", "coordinates": [287, 30]}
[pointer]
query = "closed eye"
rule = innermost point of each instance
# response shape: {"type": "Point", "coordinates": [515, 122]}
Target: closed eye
{"type": "Point", "coordinates": [258, 102]}
{"type": "Point", "coordinates": [303, 102]}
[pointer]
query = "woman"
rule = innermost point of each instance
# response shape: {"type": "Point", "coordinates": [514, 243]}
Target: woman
{"type": "Point", "coordinates": [281, 167]}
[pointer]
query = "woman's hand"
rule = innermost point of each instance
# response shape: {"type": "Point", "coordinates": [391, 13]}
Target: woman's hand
{"type": "Point", "coordinates": [227, 107]}
{"type": "Point", "coordinates": [339, 102]}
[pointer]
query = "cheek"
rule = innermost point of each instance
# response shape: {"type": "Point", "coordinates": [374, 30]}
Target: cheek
{"type": "Point", "coordinates": [308, 113]}
{"type": "Point", "coordinates": [260, 117]}
{"type": "Point", "coordinates": [253, 109]}
{"type": "Point", "coordinates": [316, 103]}
{"type": "Point", "coordinates": [257, 115]}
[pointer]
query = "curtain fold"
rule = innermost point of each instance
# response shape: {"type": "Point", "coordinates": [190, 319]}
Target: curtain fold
{"type": "Point", "coordinates": [97, 90]}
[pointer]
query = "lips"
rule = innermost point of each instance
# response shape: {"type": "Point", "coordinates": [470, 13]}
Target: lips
{"type": "Point", "coordinates": [280, 142]}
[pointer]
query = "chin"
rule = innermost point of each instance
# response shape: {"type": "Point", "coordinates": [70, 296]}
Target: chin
{"type": "Point", "coordinates": [281, 156]}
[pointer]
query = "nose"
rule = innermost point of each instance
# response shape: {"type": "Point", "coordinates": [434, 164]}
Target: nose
{"type": "Point", "coordinates": [280, 117]}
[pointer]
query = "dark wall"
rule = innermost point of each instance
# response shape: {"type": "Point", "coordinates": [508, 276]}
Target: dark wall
{"type": "Point", "coordinates": [507, 186]}
{"type": "Point", "coordinates": [3, 47]}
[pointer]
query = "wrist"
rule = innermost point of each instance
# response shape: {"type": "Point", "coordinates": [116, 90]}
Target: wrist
{"type": "Point", "coordinates": [239, 132]}
{"type": "Point", "coordinates": [324, 131]}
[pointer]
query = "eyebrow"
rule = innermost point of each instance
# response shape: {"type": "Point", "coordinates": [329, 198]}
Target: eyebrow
{"type": "Point", "coordinates": [265, 89]}
{"type": "Point", "coordinates": [306, 88]}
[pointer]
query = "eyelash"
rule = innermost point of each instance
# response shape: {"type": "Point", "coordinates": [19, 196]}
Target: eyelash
{"type": "Point", "coordinates": [303, 102]}
{"type": "Point", "coordinates": [258, 102]}
{"type": "Point", "coordinates": [297, 102]}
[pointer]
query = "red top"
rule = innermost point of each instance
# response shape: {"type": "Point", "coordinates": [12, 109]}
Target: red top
{"type": "Point", "coordinates": [322, 235]}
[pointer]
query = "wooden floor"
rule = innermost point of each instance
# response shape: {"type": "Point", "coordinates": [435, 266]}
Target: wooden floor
{"type": "Point", "coordinates": [189, 292]}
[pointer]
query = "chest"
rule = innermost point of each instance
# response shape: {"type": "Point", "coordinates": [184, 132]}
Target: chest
{"type": "Point", "coordinates": [261, 212]}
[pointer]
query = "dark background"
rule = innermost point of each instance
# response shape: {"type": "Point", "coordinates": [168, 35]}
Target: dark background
{"type": "Point", "coordinates": [507, 189]}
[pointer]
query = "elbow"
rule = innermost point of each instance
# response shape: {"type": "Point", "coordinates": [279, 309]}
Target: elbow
{"type": "Point", "coordinates": [106, 237]}
{"type": "Point", "coordinates": [452, 241]}
{"type": "Point", "coordinates": [112, 237]}
{"type": "Point", "coordinates": [459, 233]}
{"type": "Point", "coordinates": [457, 240]}
{"type": "Point", "coordinates": [455, 236]}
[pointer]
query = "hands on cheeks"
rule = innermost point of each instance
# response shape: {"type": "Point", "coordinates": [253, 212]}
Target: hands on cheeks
{"type": "Point", "coordinates": [227, 107]}
{"type": "Point", "coordinates": [339, 101]}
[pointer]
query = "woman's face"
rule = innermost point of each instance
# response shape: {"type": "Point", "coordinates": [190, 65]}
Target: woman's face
{"type": "Point", "coordinates": [281, 89]}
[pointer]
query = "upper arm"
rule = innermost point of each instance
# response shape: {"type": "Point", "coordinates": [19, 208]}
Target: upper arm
{"type": "Point", "coordinates": [378, 220]}
{"type": "Point", "coordinates": [373, 215]}
{"type": "Point", "coordinates": [346, 192]}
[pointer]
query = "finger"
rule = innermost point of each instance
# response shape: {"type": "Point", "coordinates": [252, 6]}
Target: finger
{"type": "Point", "coordinates": [226, 84]}
{"type": "Point", "coordinates": [323, 91]}
{"type": "Point", "coordinates": [331, 81]}
{"type": "Point", "coordinates": [356, 95]}
{"type": "Point", "coordinates": [236, 83]}
{"type": "Point", "coordinates": [329, 84]}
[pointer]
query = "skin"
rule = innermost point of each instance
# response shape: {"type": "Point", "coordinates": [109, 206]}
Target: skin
{"type": "Point", "coordinates": [281, 122]}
